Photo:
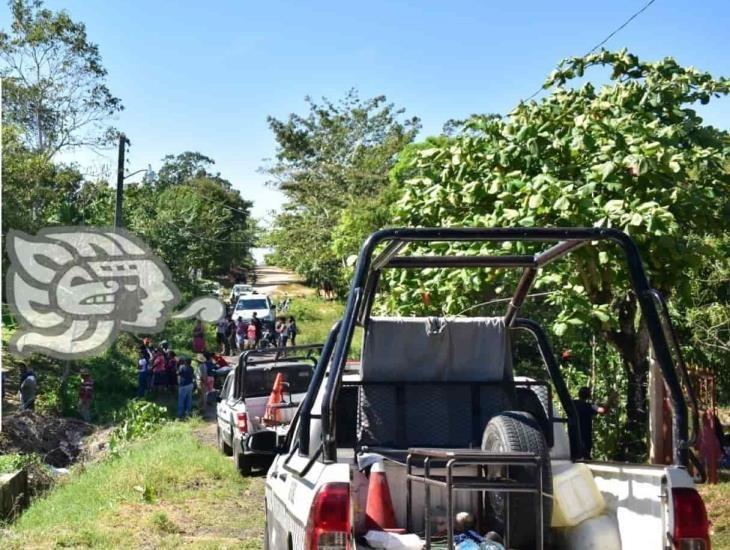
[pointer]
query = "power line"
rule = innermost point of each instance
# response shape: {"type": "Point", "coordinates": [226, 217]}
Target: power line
{"type": "Point", "coordinates": [197, 192]}
{"type": "Point", "coordinates": [629, 20]}
{"type": "Point", "coordinates": [610, 35]}
{"type": "Point", "coordinates": [211, 239]}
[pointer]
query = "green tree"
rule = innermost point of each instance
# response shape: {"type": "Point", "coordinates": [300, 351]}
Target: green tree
{"type": "Point", "coordinates": [53, 80]}
{"type": "Point", "coordinates": [179, 169]}
{"type": "Point", "coordinates": [35, 190]}
{"type": "Point", "coordinates": [632, 155]}
{"type": "Point", "coordinates": [193, 219]}
{"type": "Point", "coordinates": [334, 159]}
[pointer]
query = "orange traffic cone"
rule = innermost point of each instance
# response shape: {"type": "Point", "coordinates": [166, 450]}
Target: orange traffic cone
{"type": "Point", "coordinates": [273, 412]}
{"type": "Point", "coordinates": [379, 512]}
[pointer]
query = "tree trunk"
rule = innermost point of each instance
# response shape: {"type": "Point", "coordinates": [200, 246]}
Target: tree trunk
{"type": "Point", "coordinates": [632, 343]}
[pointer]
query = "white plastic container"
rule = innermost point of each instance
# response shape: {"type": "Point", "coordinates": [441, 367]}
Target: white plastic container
{"type": "Point", "coordinates": [575, 496]}
{"type": "Point", "coordinates": [599, 533]}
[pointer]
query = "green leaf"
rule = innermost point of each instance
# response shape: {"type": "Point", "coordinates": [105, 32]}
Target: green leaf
{"type": "Point", "coordinates": [562, 204]}
{"type": "Point", "coordinates": [535, 201]}
{"type": "Point", "coordinates": [560, 328]}
{"type": "Point", "coordinates": [606, 169]}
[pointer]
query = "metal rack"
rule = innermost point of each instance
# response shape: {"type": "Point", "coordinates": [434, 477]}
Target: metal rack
{"type": "Point", "coordinates": [451, 459]}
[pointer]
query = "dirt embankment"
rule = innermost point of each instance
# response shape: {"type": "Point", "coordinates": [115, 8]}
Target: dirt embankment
{"type": "Point", "coordinates": [59, 441]}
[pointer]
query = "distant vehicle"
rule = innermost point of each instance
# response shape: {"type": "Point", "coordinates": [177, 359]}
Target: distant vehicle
{"type": "Point", "coordinates": [242, 404]}
{"type": "Point", "coordinates": [239, 290]}
{"type": "Point", "coordinates": [247, 304]}
{"type": "Point", "coordinates": [213, 288]}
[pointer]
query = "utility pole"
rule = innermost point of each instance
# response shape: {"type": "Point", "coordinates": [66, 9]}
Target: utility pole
{"type": "Point", "coordinates": [123, 141]}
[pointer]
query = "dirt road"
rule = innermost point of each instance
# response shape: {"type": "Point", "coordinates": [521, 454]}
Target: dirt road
{"type": "Point", "coordinates": [276, 280]}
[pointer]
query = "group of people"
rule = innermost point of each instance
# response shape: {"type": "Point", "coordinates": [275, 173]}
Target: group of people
{"type": "Point", "coordinates": [159, 368]}
{"type": "Point", "coordinates": [238, 335]}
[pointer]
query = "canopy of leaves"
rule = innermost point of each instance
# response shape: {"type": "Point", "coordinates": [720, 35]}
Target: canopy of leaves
{"type": "Point", "coordinates": [193, 220]}
{"type": "Point", "coordinates": [632, 155]}
{"type": "Point", "coordinates": [53, 80]}
{"type": "Point", "coordinates": [35, 190]}
{"type": "Point", "coordinates": [334, 159]}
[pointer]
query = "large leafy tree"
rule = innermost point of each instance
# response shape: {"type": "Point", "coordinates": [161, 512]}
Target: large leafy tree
{"type": "Point", "coordinates": [332, 160]}
{"type": "Point", "coordinates": [54, 85]}
{"type": "Point", "coordinates": [35, 190]}
{"type": "Point", "coordinates": [194, 219]}
{"type": "Point", "coordinates": [632, 154]}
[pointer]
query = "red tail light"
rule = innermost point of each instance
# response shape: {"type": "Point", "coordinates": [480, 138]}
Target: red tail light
{"type": "Point", "coordinates": [691, 527]}
{"type": "Point", "coordinates": [242, 422]}
{"type": "Point", "coordinates": [328, 527]}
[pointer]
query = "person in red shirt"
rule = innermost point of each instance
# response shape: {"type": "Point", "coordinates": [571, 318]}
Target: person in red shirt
{"type": "Point", "coordinates": [86, 393]}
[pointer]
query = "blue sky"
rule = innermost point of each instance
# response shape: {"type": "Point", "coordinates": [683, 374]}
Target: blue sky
{"type": "Point", "coordinates": [204, 75]}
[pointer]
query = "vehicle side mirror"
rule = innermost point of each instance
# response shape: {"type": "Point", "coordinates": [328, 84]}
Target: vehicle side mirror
{"type": "Point", "coordinates": [264, 441]}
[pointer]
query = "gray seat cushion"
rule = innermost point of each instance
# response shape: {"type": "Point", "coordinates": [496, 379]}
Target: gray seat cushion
{"type": "Point", "coordinates": [427, 415]}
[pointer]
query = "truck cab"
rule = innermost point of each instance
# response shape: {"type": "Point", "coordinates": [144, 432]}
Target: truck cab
{"type": "Point", "coordinates": [244, 406]}
{"type": "Point", "coordinates": [434, 401]}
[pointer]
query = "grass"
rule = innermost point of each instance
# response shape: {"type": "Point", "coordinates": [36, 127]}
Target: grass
{"type": "Point", "coordinates": [315, 317]}
{"type": "Point", "coordinates": [114, 372]}
{"type": "Point", "coordinates": [167, 491]}
{"type": "Point", "coordinates": [717, 501]}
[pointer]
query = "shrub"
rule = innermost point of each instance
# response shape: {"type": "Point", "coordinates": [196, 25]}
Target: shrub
{"type": "Point", "coordinates": [138, 419]}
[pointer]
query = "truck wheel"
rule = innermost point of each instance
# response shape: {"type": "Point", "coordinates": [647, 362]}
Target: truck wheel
{"type": "Point", "coordinates": [224, 447]}
{"type": "Point", "coordinates": [516, 431]}
{"type": "Point", "coordinates": [243, 463]}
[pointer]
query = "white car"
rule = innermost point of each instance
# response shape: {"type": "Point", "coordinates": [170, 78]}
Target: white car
{"type": "Point", "coordinates": [248, 304]}
{"type": "Point", "coordinates": [238, 291]}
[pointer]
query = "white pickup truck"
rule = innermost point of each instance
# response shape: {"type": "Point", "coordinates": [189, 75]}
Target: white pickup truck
{"type": "Point", "coordinates": [435, 401]}
{"type": "Point", "coordinates": [243, 400]}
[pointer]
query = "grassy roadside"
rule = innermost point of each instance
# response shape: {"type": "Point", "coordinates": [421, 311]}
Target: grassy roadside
{"type": "Point", "coordinates": [717, 501]}
{"type": "Point", "coordinates": [315, 317]}
{"type": "Point", "coordinates": [167, 491]}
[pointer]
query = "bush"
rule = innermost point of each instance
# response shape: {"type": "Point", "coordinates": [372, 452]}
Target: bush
{"type": "Point", "coordinates": [138, 419]}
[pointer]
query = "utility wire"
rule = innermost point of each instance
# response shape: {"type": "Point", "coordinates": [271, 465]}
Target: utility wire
{"type": "Point", "coordinates": [212, 239]}
{"type": "Point", "coordinates": [610, 35]}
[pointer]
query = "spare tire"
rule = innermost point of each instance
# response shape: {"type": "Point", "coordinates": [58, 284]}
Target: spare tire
{"type": "Point", "coordinates": [517, 431]}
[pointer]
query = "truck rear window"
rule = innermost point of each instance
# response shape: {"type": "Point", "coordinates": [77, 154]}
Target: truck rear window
{"type": "Point", "coordinates": [260, 382]}
{"type": "Point", "coordinates": [252, 304]}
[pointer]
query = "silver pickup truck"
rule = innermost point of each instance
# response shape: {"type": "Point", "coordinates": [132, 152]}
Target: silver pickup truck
{"type": "Point", "coordinates": [436, 403]}
{"type": "Point", "coordinates": [242, 403]}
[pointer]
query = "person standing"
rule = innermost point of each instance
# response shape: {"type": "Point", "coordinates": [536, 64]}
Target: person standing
{"type": "Point", "coordinates": [292, 330]}
{"type": "Point", "coordinates": [251, 336]}
{"type": "Point", "coordinates": [198, 337]}
{"type": "Point", "coordinates": [185, 376]}
{"type": "Point", "coordinates": [281, 332]}
{"type": "Point", "coordinates": [145, 348]}
{"type": "Point", "coordinates": [230, 336]}
{"type": "Point", "coordinates": [86, 392]}
{"type": "Point", "coordinates": [142, 368]}
{"type": "Point", "coordinates": [240, 334]}
{"type": "Point", "coordinates": [256, 322]}
{"type": "Point", "coordinates": [220, 333]}
{"type": "Point", "coordinates": [586, 411]}
{"type": "Point", "coordinates": [28, 388]}
{"type": "Point", "coordinates": [202, 382]}
{"type": "Point", "coordinates": [171, 363]}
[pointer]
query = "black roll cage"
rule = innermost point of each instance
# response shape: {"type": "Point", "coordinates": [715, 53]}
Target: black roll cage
{"type": "Point", "coordinates": [272, 357]}
{"type": "Point", "coordinates": [365, 282]}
